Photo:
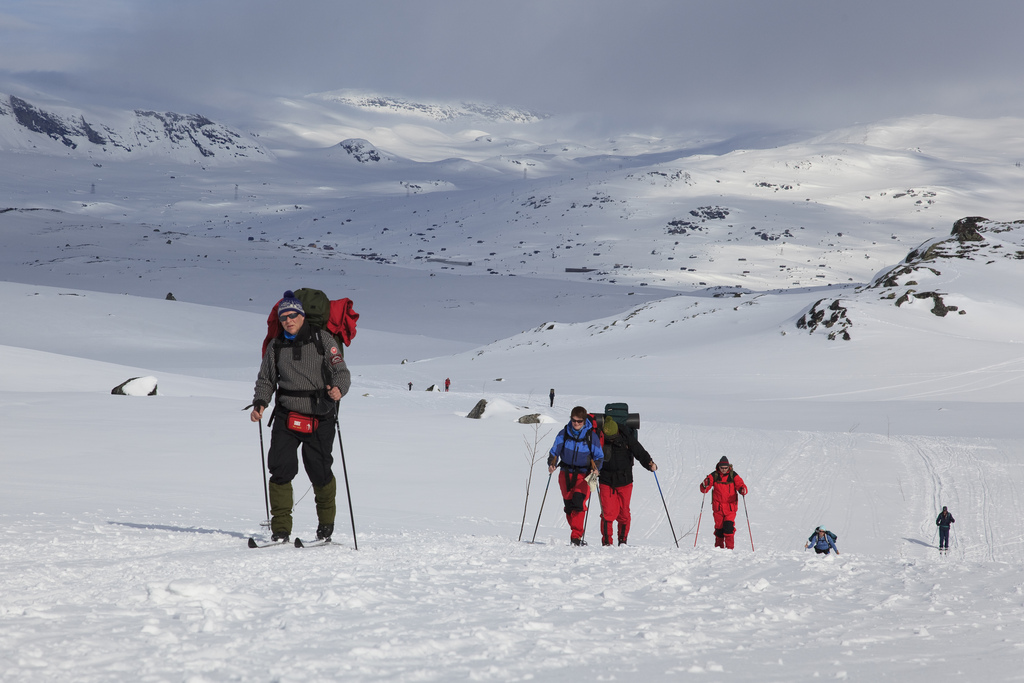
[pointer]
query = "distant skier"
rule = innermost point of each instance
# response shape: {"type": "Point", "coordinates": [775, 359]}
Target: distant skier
{"type": "Point", "coordinates": [822, 542]}
{"type": "Point", "coordinates": [620, 448]}
{"type": "Point", "coordinates": [551, 396]}
{"type": "Point", "coordinates": [943, 521]}
{"type": "Point", "coordinates": [410, 386]}
{"type": "Point", "coordinates": [726, 487]}
{"type": "Point", "coordinates": [577, 451]}
{"type": "Point", "coordinates": [447, 383]}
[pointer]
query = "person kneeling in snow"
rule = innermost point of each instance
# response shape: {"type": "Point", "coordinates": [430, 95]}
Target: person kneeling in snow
{"type": "Point", "coordinates": [823, 541]}
{"type": "Point", "coordinates": [577, 450]}
{"type": "Point", "coordinates": [725, 484]}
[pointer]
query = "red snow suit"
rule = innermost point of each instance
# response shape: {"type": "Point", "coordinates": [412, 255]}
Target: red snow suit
{"type": "Point", "coordinates": [725, 492]}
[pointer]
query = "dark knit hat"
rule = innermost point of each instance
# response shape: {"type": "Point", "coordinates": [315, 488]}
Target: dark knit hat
{"type": "Point", "coordinates": [724, 461]}
{"type": "Point", "coordinates": [610, 427]}
{"type": "Point", "coordinates": [290, 303]}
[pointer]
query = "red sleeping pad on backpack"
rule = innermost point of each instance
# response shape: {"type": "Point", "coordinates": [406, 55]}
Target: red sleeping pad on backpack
{"type": "Point", "coordinates": [341, 322]}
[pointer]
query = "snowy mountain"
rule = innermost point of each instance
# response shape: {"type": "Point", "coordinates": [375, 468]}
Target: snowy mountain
{"type": "Point", "coordinates": [433, 111]}
{"type": "Point", "coordinates": [832, 314]}
{"type": "Point", "coordinates": [119, 135]}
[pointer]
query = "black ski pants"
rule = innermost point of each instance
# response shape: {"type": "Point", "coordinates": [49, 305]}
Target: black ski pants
{"type": "Point", "coordinates": [317, 452]}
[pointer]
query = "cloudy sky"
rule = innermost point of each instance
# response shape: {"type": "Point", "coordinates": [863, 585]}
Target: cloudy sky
{"type": "Point", "coordinates": [646, 64]}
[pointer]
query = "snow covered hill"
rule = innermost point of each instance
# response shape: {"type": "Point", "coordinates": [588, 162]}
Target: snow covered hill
{"type": "Point", "coordinates": [126, 517]}
{"type": "Point", "coordinates": [820, 312]}
{"type": "Point", "coordinates": [831, 210]}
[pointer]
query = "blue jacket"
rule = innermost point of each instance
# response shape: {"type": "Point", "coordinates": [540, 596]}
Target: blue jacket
{"type": "Point", "coordinates": [824, 543]}
{"type": "Point", "coordinates": [575, 447]}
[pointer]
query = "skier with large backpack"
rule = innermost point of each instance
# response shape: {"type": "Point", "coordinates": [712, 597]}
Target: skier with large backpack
{"type": "Point", "coordinates": [726, 487]}
{"type": "Point", "coordinates": [621, 447]}
{"type": "Point", "coordinates": [823, 541]}
{"type": "Point", "coordinates": [577, 452]}
{"type": "Point", "coordinates": [304, 365]}
{"type": "Point", "coordinates": [814, 535]}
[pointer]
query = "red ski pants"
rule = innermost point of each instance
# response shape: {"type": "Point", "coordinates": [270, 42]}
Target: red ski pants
{"type": "Point", "coordinates": [576, 494]}
{"type": "Point", "coordinates": [725, 528]}
{"type": "Point", "coordinates": [615, 508]}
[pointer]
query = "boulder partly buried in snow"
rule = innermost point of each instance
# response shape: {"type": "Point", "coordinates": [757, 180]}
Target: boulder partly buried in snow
{"type": "Point", "coordinates": [136, 386]}
{"type": "Point", "coordinates": [478, 409]}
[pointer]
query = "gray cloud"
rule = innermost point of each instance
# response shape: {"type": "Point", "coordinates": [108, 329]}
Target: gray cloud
{"type": "Point", "coordinates": [650, 64]}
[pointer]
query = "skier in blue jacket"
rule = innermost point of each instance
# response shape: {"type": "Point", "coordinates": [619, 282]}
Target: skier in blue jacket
{"type": "Point", "coordinates": [577, 451]}
{"type": "Point", "coordinates": [822, 542]}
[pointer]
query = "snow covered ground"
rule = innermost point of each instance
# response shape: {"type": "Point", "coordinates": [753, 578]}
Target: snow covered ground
{"type": "Point", "coordinates": [125, 518]}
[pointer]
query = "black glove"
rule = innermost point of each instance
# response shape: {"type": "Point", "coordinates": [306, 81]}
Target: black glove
{"type": "Point", "coordinates": [552, 460]}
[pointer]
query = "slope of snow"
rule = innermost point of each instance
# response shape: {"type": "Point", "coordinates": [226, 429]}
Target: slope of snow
{"type": "Point", "coordinates": [125, 517]}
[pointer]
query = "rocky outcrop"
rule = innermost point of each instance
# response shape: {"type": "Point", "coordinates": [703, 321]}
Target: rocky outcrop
{"type": "Point", "coordinates": [902, 284]}
{"type": "Point", "coordinates": [832, 316]}
{"type": "Point", "coordinates": [361, 150]}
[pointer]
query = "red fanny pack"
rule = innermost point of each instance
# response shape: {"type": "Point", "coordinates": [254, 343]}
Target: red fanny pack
{"type": "Point", "coordinates": [304, 424]}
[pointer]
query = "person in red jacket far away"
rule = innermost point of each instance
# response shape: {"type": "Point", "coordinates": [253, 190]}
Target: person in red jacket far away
{"type": "Point", "coordinates": [447, 383]}
{"type": "Point", "coordinates": [726, 486]}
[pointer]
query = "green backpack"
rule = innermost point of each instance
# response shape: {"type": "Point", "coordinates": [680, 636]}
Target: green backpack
{"type": "Point", "coordinates": [337, 317]}
{"type": "Point", "coordinates": [620, 413]}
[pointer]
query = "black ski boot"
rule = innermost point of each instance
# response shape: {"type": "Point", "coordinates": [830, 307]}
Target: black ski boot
{"type": "Point", "coordinates": [578, 541]}
{"type": "Point", "coordinates": [280, 537]}
{"type": "Point", "coordinates": [324, 532]}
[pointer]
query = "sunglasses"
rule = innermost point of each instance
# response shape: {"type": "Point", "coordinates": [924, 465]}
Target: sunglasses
{"type": "Point", "coordinates": [577, 421]}
{"type": "Point", "coordinates": [288, 316]}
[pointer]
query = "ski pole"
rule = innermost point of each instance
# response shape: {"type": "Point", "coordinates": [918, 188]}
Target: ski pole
{"type": "Point", "coordinates": [671, 528]}
{"type": "Point", "coordinates": [586, 516]}
{"type": "Point", "coordinates": [532, 540]}
{"type": "Point", "coordinates": [748, 524]}
{"type": "Point", "coordinates": [697, 532]}
{"type": "Point", "coordinates": [344, 470]}
{"type": "Point", "coordinates": [263, 461]}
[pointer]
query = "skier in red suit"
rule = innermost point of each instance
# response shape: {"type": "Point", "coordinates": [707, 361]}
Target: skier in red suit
{"type": "Point", "coordinates": [726, 486]}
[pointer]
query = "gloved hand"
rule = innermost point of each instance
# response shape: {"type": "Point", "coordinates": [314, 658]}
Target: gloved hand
{"type": "Point", "coordinates": [552, 460]}
{"type": "Point", "coordinates": [743, 490]}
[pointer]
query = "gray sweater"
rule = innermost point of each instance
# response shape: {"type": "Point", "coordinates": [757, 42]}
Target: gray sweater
{"type": "Point", "coordinates": [298, 366]}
